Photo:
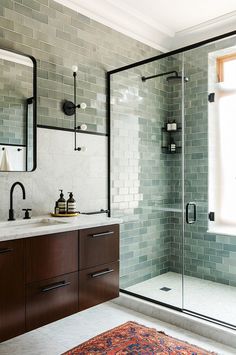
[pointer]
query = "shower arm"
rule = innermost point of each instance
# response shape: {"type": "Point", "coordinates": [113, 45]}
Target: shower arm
{"type": "Point", "coordinates": [144, 78]}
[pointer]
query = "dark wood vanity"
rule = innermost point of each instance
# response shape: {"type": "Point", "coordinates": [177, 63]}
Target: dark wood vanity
{"type": "Point", "coordinates": [49, 277]}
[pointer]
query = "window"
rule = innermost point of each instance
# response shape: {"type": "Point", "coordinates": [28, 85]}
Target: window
{"type": "Point", "coordinates": [224, 145]}
{"type": "Point", "coordinates": [226, 68]}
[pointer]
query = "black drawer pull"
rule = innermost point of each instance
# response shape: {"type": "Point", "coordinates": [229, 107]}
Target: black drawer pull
{"type": "Point", "coordinates": [102, 234]}
{"type": "Point", "coordinates": [101, 273]}
{"type": "Point", "coordinates": [55, 286]}
{"type": "Point", "coordinates": [6, 250]}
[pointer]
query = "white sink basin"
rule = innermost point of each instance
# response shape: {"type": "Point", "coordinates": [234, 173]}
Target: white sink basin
{"type": "Point", "coordinates": [30, 223]}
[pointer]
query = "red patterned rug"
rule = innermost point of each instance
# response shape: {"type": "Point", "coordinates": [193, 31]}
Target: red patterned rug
{"type": "Point", "coordinates": [134, 339]}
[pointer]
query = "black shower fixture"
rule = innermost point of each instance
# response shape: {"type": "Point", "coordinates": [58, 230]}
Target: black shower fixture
{"type": "Point", "coordinates": [170, 78]}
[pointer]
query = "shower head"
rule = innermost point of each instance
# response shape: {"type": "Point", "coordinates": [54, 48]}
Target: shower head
{"type": "Point", "coordinates": [175, 77]}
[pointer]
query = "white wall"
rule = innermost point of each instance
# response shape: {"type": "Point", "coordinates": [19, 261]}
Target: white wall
{"type": "Point", "coordinates": [60, 167]}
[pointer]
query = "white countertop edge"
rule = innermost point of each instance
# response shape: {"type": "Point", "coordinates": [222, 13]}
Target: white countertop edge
{"type": "Point", "coordinates": [72, 223]}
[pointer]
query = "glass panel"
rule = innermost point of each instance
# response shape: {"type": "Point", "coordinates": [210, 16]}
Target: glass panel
{"type": "Point", "coordinates": [209, 254]}
{"type": "Point", "coordinates": [170, 198]}
{"type": "Point", "coordinates": [146, 178]}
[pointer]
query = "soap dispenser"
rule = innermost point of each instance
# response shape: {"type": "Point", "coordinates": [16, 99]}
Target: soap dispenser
{"type": "Point", "coordinates": [56, 209]}
{"type": "Point", "coordinates": [71, 203]}
{"type": "Point", "coordinates": [61, 203]}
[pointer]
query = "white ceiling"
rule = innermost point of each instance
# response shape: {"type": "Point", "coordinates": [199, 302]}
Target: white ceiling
{"type": "Point", "coordinates": [177, 15]}
{"type": "Point", "coordinates": [163, 24]}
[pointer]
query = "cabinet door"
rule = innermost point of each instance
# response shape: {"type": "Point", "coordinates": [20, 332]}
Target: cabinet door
{"type": "Point", "coordinates": [12, 289]}
{"type": "Point", "coordinates": [51, 299]}
{"type": "Point", "coordinates": [98, 246]}
{"type": "Point", "coordinates": [98, 284]}
{"type": "Point", "coordinates": [51, 255]}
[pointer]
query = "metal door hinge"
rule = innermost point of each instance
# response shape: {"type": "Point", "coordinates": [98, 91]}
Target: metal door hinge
{"type": "Point", "coordinates": [211, 97]}
{"type": "Point", "coordinates": [211, 216]}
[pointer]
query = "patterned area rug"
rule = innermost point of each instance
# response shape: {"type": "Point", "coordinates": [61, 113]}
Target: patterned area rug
{"type": "Point", "coordinates": [134, 339]}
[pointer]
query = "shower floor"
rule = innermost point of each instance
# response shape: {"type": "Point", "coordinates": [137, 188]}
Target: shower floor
{"type": "Point", "coordinates": [208, 298]}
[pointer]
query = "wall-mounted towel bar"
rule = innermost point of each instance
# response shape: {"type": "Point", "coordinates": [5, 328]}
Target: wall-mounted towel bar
{"type": "Point", "coordinates": [95, 212]}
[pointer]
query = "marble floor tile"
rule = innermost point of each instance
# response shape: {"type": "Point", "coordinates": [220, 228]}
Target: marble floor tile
{"type": "Point", "coordinates": [57, 337]}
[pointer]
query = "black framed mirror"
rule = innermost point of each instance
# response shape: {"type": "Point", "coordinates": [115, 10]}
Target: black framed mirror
{"type": "Point", "coordinates": [18, 111]}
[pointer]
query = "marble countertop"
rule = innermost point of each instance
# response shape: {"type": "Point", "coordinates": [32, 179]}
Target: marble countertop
{"type": "Point", "coordinates": [43, 225]}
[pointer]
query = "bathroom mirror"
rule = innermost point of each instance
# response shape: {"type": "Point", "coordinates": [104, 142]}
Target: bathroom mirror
{"type": "Point", "coordinates": [17, 112]}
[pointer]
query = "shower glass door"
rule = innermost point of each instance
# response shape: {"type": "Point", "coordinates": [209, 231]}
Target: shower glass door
{"type": "Point", "coordinates": [209, 177]}
{"type": "Point", "coordinates": [146, 178]}
{"type": "Point", "coordinates": [175, 188]}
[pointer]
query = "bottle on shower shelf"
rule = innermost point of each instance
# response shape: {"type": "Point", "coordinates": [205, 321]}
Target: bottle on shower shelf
{"type": "Point", "coordinates": [174, 126]}
{"type": "Point", "coordinates": [172, 146]}
{"type": "Point", "coordinates": [169, 125]}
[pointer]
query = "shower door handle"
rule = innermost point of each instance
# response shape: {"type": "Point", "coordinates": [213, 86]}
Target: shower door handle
{"type": "Point", "coordinates": [191, 220]}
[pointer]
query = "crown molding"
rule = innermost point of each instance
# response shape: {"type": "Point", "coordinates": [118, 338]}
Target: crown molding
{"type": "Point", "coordinates": [148, 20]}
{"type": "Point", "coordinates": [205, 30]}
{"type": "Point", "coordinates": [125, 20]}
{"type": "Point", "coordinates": [134, 24]}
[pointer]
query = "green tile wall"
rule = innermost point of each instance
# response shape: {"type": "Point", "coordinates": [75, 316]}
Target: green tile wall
{"type": "Point", "coordinates": [15, 88]}
{"type": "Point", "coordinates": [152, 238]}
{"type": "Point", "coordinates": [141, 173]}
{"type": "Point", "coordinates": [58, 38]}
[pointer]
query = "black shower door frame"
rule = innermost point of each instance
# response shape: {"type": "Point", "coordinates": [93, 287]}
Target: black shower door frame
{"type": "Point", "coordinates": [108, 103]}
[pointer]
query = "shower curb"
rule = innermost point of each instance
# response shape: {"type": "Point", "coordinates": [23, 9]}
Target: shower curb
{"type": "Point", "coordinates": [196, 325]}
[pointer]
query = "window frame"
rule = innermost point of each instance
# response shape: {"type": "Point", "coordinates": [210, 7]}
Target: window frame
{"type": "Point", "coordinates": [220, 65]}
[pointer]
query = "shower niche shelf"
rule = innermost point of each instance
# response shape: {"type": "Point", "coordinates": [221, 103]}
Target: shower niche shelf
{"type": "Point", "coordinates": [169, 208]}
{"type": "Point", "coordinates": [166, 138]}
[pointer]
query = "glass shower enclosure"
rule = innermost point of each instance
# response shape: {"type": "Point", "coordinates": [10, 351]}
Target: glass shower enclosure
{"type": "Point", "coordinates": [171, 120]}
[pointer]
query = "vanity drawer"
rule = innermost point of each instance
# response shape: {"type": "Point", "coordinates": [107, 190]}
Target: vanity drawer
{"type": "Point", "coordinates": [50, 300]}
{"type": "Point", "coordinates": [51, 255]}
{"type": "Point", "coordinates": [98, 246]}
{"type": "Point", "coordinates": [98, 284]}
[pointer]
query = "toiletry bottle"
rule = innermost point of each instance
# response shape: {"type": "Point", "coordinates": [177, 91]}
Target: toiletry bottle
{"type": "Point", "coordinates": [56, 210]}
{"type": "Point", "coordinates": [61, 203]}
{"type": "Point", "coordinates": [169, 126]}
{"type": "Point", "coordinates": [71, 204]}
{"type": "Point", "coordinates": [172, 146]}
{"type": "Point", "coordinates": [174, 126]}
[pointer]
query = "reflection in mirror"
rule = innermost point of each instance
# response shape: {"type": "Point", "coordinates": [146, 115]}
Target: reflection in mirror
{"type": "Point", "coordinates": [17, 112]}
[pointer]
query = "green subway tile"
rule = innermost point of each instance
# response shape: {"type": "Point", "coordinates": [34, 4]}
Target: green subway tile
{"type": "Point", "coordinates": [42, 18]}
{"type": "Point", "coordinates": [230, 247]}
{"type": "Point", "coordinates": [7, 3]}
{"type": "Point", "coordinates": [35, 5]}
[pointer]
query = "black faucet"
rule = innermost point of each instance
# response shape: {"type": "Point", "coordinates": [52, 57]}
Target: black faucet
{"type": "Point", "coordinates": [11, 210]}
